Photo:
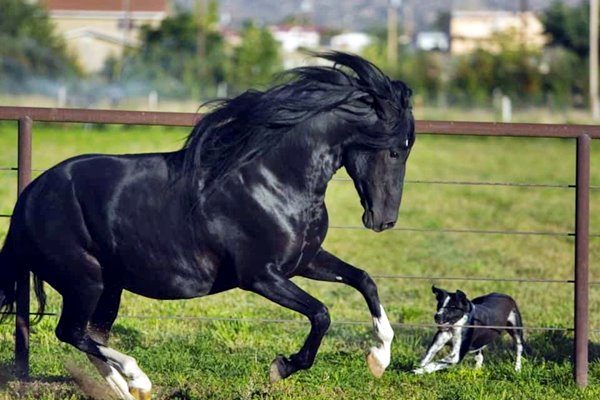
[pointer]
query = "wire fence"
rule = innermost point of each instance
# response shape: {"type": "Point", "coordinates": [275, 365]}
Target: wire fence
{"type": "Point", "coordinates": [248, 320]}
{"type": "Point", "coordinates": [582, 187]}
{"type": "Point", "coordinates": [529, 185]}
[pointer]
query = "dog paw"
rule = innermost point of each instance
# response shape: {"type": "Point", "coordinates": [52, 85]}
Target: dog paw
{"type": "Point", "coordinates": [418, 371]}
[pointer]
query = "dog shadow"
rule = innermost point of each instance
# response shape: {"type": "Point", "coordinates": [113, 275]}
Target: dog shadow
{"type": "Point", "coordinates": [558, 346]}
{"type": "Point", "coordinates": [547, 346]}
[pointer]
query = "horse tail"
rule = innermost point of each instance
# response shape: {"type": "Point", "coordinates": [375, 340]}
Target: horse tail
{"type": "Point", "coordinates": [9, 271]}
{"type": "Point", "coordinates": [8, 282]}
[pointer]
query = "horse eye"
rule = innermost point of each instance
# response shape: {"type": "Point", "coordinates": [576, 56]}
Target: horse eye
{"type": "Point", "coordinates": [394, 154]}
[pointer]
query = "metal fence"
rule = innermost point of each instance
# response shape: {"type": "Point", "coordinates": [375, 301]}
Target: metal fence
{"type": "Point", "coordinates": [581, 133]}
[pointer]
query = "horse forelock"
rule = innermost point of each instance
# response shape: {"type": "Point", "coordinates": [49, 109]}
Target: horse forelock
{"type": "Point", "coordinates": [242, 128]}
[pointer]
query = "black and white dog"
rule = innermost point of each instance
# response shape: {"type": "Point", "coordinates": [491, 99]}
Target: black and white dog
{"type": "Point", "coordinates": [454, 310]}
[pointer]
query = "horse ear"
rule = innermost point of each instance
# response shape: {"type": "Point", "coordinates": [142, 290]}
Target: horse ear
{"type": "Point", "coordinates": [383, 108]}
{"type": "Point", "coordinates": [405, 92]}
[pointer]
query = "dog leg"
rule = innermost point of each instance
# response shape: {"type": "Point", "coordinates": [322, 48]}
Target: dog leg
{"type": "Point", "coordinates": [439, 340]}
{"type": "Point", "coordinates": [454, 356]}
{"type": "Point", "coordinates": [514, 319]}
{"type": "Point", "coordinates": [452, 359]}
{"type": "Point", "coordinates": [478, 359]}
{"type": "Point", "coordinates": [434, 366]}
{"type": "Point", "coordinates": [519, 345]}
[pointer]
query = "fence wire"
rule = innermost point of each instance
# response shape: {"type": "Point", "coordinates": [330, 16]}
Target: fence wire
{"type": "Point", "coordinates": [406, 326]}
{"type": "Point", "coordinates": [399, 325]}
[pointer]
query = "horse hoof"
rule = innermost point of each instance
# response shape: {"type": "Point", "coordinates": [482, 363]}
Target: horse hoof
{"type": "Point", "coordinates": [276, 371]}
{"type": "Point", "coordinates": [140, 394]}
{"type": "Point", "coordinates": [375, 366]}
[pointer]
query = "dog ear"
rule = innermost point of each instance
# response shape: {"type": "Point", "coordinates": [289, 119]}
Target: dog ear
{"type": "Point", "coordinates": [439, 293]}
{"type": "Point", "coordinates": [461, 296]}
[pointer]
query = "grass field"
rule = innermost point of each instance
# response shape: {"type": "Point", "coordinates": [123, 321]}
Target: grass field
{"type": "Point", "coordinates": [189, 358]}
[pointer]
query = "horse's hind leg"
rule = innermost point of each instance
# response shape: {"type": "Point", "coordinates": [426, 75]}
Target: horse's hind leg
{"type": "Point", "coordinates": [112, 364]}
{"type": "Point", "coordinates": [99, 328]}
{"type": "Point", "coordinates": [138, 385]}
{"type": "Point", "coordinates": [84, 300]}
{"type": "Point", "coordinates": [327, 267]}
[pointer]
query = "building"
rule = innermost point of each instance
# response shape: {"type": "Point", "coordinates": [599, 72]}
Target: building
{"type": "Point", "coordinates": [353, 42]}
{"type": "Point", "coordinates": [95, 30]}
{"type": "Point", "coordinates": [433, 40]}
{"type": "Point", "coordinates": [470, 30]}
{"type": "Point", "coordinates": [293, 38]}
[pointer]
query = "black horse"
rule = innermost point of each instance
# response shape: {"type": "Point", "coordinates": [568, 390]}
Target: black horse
{"type": "Point", "coordinates": [241, 205]}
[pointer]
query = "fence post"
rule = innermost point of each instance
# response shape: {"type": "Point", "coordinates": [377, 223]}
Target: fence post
{"type": "Point", "coordinates": [582, 212]}
{"type": "Point", "coordinates": [22, 311]}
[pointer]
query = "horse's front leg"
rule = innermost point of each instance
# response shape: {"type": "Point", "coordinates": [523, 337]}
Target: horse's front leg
{"type": "Point", "coordinates": [327, 267]}
{"type": "Point", "coordinates": [285, 293]}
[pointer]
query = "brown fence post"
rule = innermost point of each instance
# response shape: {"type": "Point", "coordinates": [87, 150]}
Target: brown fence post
{"type": "Point", "coordinates": [22, 311]}
{"type": "Point", "coordinates": [582, 213]}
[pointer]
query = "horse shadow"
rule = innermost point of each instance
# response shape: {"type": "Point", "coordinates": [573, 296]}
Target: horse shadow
{"type": "Point", "coordinates": [80, 379]}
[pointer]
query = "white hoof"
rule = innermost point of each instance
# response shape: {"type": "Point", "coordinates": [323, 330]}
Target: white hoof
{"type": "Point", "coordinates": [141, 388]}
{"type": "Point", "coordinates": [378, 360]}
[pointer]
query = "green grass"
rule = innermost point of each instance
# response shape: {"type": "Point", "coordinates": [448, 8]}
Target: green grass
{"type": "Point", "coordinates": [202, 359]}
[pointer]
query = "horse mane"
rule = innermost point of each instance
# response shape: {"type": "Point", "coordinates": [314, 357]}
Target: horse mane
{"type": "Point", "coordinates": [241, 128]}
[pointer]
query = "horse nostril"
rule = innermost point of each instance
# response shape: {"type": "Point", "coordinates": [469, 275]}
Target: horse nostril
{"type": "Point", "coordinates": [389, 225]}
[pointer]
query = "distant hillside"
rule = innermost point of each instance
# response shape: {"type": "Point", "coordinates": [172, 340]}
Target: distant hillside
{"type": "Point", "coordinates": [360, 14]}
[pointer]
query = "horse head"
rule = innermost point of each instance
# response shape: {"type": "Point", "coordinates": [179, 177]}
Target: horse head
{"type": "Point", "coordinates": [380, 143]}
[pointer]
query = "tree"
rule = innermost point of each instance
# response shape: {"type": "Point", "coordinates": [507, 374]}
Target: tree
{"type": "Point", "coordinates": [505, 65]}
{"type": "Point", "coordinates": [255, 60]}
{"type": "Point", "coordinates": [29, 46]}
{"type": "Point", "coordinates": [568, 26]}
{"type": "Point", "coordinates": [169, 57]}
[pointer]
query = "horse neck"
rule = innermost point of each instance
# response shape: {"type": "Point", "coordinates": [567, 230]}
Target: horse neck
{"type": "Point", "coordinates": [305, 160]}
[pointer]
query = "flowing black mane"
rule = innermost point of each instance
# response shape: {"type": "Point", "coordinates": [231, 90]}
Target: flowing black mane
{"type": "Point", "coordinates": [241, 128]}
{"type": "Point", "coordinates": [97, 225]}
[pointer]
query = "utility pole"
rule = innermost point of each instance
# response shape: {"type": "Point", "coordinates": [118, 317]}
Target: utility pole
{"type": "Point", "coordinates": [126, 6]}
{"type": "Point", "coordinates": [200, 34]}
{"type": "Point", "coordinates": [524, 8]}
{"type": "Point", "coordinates": [126, 23]}
{"type": "Point", "coordinates": [392, 31]}
{"type": "Point", "coordinates": [594, 102]}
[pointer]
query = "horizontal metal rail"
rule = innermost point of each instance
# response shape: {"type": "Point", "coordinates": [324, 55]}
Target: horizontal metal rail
{"type": "Point", "coordinates": [461, 128]}
{"type": "Point", "coordinates": [78, 115]}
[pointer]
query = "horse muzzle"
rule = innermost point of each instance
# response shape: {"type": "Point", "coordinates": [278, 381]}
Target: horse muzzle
{"type": "Point", "coordinates": [371, 221]}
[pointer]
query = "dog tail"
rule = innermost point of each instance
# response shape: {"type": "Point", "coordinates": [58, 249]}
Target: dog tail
{"type": "Point", "coordinates": [521, 332]}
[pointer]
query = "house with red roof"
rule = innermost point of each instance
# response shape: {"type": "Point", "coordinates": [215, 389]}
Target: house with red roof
{"type": "Point", "coordinates": [95, 30]}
